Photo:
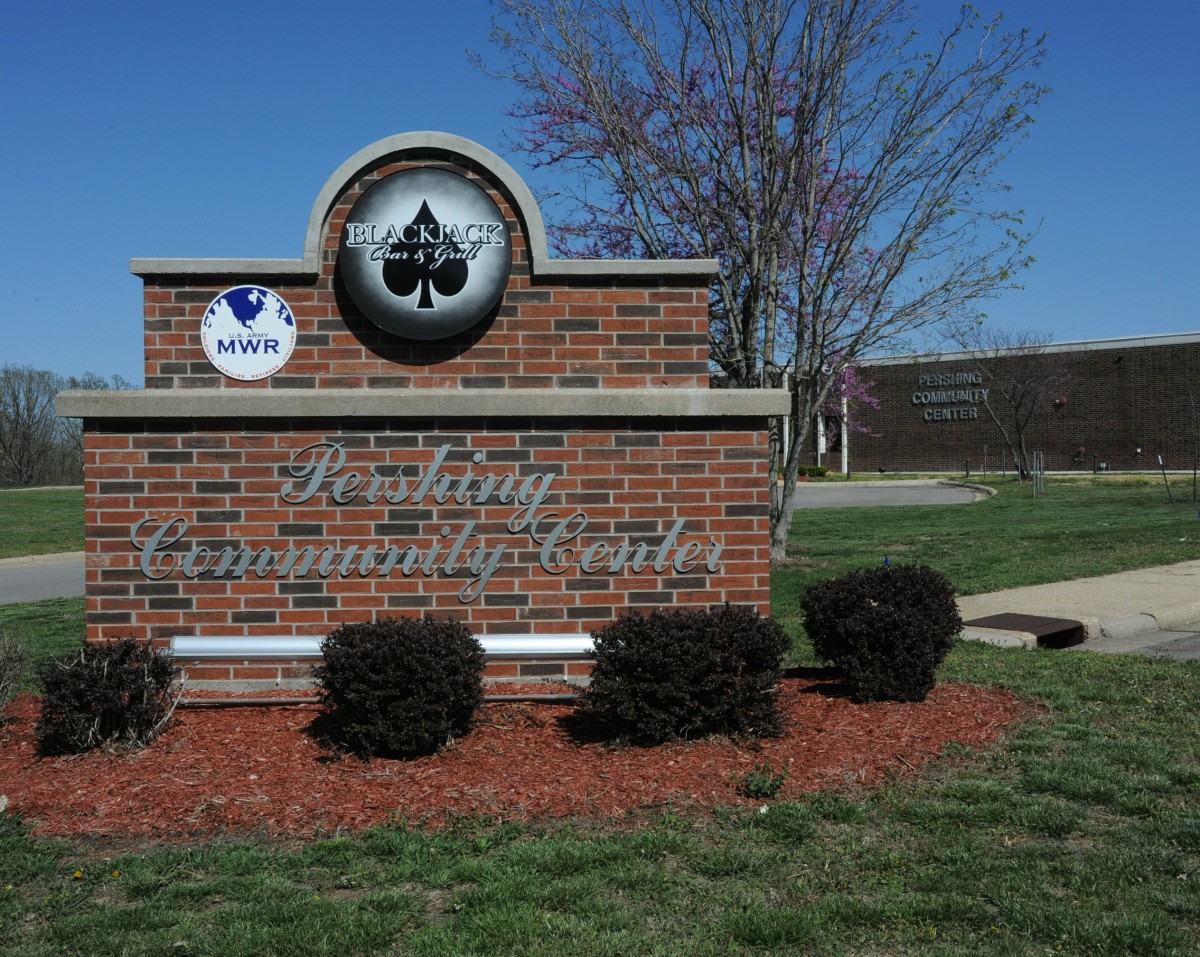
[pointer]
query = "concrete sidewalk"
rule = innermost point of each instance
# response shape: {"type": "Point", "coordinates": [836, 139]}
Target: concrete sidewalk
{"type": "Point", "coordinates": [1152, 611]}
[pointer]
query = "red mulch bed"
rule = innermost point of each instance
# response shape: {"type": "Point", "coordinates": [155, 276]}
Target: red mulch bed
{"type": "Point", "coordinates": [259, 770]}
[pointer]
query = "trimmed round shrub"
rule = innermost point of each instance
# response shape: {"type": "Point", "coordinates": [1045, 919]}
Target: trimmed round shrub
{"type": "Point", "coordinates": [401, 687]}
{"type": "Point", "coordinates": [887, 629]}
{"type": "Point", "coordinates": [683, 674]}
{"type": "Point", "coordinates": [120, 693]}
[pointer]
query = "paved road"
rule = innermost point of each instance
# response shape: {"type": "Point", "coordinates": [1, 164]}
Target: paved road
{"type": "Point", "coordinates": [43, 576]}
{"type": "Point", "coordinates": [916, 492]}
{"type": "Point", "coordinates": [1180, 645]}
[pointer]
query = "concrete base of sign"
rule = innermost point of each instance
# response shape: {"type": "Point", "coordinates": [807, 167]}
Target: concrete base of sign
{"type": "Point", "coordinates": [306, 688]}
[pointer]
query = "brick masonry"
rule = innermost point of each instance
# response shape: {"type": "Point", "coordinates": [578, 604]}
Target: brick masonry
{"type": "Point", "coordinates": [227, 481]}
{"type": "Point", "coordinates": [1101, 402]}
{"type": "Point", "coordinates": [666, 492]}
{"type": "Point", "coordinates": [618, 333]}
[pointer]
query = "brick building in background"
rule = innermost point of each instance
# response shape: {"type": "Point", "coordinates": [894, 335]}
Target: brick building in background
{"type": "Point", "coordinates": [1109, 404]}
{"type": "Point", "coordinates": [529, 445]}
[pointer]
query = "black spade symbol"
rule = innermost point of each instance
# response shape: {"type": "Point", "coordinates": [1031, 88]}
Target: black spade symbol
{"type": "Point", "coordinates": [413, 264]}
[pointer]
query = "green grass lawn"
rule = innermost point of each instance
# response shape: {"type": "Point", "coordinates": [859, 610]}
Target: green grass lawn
{"type": "Point", "coordinates": [40, 521]}
{"type": "Point", "coordinates": [1081, 526]}
{"type": "Point", "coordinates": [54, 626]}
{"type": "Point", "coordinates": [1079, 835]}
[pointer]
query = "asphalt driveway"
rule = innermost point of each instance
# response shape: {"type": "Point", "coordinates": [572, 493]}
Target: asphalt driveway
{"type": "Point", "coordinates": [41, 576]}
{"type": "Point", "coordinates": [899, 492]}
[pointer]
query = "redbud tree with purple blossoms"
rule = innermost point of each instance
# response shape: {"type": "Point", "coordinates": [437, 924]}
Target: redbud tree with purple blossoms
{"type": "Point", "coordinates": [837, 158]}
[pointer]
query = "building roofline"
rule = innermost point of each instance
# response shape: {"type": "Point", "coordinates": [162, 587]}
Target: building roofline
{"type": "Point", "coordinates": [1081, 345]}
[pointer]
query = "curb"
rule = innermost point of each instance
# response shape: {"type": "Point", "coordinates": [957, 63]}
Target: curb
{"type": "Point", "coordinates": [28, 561]}
{"type": "Point", "coordinates": [985, 490]}
{"type": "Point", "coordinates": [999, 638]}
{"type": "Point", "coordinates": [1130, 626]}
{"type": "Point", "coordinates": [1181, 617]}
{"type": "Point", "coordinates": [1185, 617]}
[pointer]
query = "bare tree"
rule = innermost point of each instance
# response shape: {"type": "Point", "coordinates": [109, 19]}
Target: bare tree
{"type": "Point", "coordinates": [36, 446]}
{"type": "Point", "coordinates": [28, 425]}
{"type": "Point", "coordinates": [71, 430]}
{"type": "Point", "coordinates": [1022, 379]}
{"type": "Point", "coordinates": [839, 164]}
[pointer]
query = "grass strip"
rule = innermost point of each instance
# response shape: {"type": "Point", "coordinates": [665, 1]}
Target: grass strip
{"type": "Point", "coordinates": [1081, 527]}
{"type": "Point", "coordinates": [41, 521]}
{"type": "Point", "coordinates": [53, 626]}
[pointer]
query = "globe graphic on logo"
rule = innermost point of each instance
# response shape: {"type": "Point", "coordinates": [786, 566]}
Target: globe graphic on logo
{"type": "Point", "coordinates": [248, 332]}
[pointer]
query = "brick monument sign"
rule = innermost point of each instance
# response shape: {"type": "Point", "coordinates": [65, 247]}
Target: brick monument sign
{"type": "Point", "coordinates": [424, 414]}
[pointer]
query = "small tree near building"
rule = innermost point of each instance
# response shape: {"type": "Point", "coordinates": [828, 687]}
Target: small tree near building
{"type": "Point", "coordinates": [1023, 379]}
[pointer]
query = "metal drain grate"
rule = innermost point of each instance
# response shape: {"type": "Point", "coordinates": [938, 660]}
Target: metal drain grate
{"type": "Point", "coordinates": [1050, 632]}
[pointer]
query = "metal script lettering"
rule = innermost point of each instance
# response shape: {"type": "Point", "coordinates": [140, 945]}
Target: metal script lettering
{"type": "Point", "coordinates": [323, 463]}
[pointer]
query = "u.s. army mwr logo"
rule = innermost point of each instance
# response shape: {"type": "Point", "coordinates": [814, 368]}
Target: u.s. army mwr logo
{"type": "Point", "coordinates": [248, 333]}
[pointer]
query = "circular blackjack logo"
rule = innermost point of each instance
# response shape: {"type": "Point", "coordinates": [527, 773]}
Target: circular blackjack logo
{"type": "Point", "coordinates": [425, 253]}
{"type": "Point", "coordinates": [248, 333]}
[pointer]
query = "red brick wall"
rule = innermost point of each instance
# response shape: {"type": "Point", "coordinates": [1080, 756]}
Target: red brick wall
{"type": "Point", "coordinates": [632, 479]}
{"type": "Point", "coordinates": [618, 333]}
{"type": "Point", "coordinates": [1119, 398]}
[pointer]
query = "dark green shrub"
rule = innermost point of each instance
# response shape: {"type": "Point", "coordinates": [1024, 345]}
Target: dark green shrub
{"type": "Point", "coordinates": [121, 693]}
{"type": "Point", "coordinates": [401, 686]}
{"type": "Point", "coordinates": [886, 628]}
{"type": "Point", "coordinates": [813, 471]}
{"type": "Point", "coordinates": [682, 674]}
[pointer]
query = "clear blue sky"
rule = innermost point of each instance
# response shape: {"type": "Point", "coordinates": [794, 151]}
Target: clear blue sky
{"type": "Point", "coordinates": [173, 129]}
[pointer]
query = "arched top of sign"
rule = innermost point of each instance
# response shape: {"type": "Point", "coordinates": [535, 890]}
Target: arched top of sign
{"type": "Point", "coordinates": [435, 147]}
{"type": "Point", "coordinates": [427, 143]}
{"type": "Point", "coordinates": [425, 253]}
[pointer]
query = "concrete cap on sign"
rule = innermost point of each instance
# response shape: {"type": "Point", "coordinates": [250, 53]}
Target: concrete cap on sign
{"type": "Point", "coordinates": [422, 403]}
{"type": "Point", "coordinates": [429, 145]}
